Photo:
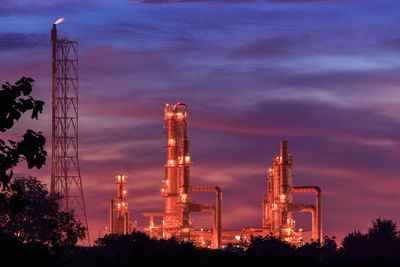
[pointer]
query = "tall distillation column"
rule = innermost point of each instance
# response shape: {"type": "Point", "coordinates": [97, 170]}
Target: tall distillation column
{"type": "Point", "coordinates": [119, 215]}
{"type": "Point", "coordinates": [278, 205]}
{"type": "Point", "coordinates": [65, 170]}
{"type": "Point", "coordinates": [176, 184]}
{"type": "Point", "coordinates": [176, 189]}
{"type": "Point", "coordinates": [279, 217]}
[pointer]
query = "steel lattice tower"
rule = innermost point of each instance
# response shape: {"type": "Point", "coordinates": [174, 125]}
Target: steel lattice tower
{"type": "Point", "coordinates": [65, 171]}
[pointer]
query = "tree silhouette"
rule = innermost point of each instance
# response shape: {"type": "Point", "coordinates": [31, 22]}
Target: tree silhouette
{"type": "Point", "coordinates": [14, 101]}
{"type": "Point", "coordinates": [41, 219]}
{"type": "Point", "coordinates": [383, 239]}
{"type": "Point", "coordinates": [355, 245]}
{"type": "Point", "coordinates": [380, 242]}
{"type": "Point", "coordinates": [269, 245]}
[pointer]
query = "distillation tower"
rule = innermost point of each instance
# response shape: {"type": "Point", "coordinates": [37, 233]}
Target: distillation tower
{"type": "Point", "coordinates": [176, 188]}
{"type": "Point", "coordinates": [120, 222]}
{"type": "Point", "coordinates": [278, 205]}
{"type": "Point", "coordinates": [65, 171]}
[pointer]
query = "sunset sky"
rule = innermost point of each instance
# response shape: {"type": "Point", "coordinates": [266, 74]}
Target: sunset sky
{"type": "Point", "coordinates": [324, 75]}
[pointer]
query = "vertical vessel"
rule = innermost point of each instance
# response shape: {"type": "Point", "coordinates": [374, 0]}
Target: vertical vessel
{"type": "Point", "coordinates": [120, 222]}
{"type": "Point", "coordinates": [278, 205]}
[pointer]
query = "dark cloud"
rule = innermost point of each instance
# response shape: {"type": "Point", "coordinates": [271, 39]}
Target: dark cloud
{"type": "Point", "coordinates": [295, 2]}
{"type": "Point", "coordinates": [272, 47]}
{"type": "Point", "coordinates": [10, 41]}
{"type": "Point", "coordinates": [393, 43]}
{"type": "Point", "coordinates": [164, 2]}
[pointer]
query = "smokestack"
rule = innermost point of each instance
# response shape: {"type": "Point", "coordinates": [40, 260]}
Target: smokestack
{"type": "Point", "coordinates": [284, 151]}
{"type": "Point", "coordinates": [54, 32]}
{"type": "Point", "coordinates": [285, 167]}
{"type": "Point", "coordinates": [53, 103]}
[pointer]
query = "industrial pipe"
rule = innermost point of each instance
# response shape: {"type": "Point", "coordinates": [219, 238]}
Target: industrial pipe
{"type": "Point", "coordinates": [218, 211]}
{"type": "Point", "coordinates": [307, 208]}
{"type": "Point", "coordinates": [318, 207]}
{"type": "Point", "coordinates": [112, 216]}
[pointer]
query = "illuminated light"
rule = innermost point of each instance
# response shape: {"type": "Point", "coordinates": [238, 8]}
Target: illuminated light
{"type": "Point", "coordinates": [179, 116]}
{"type": "Point", "coordinates": [187, 159]}
{"type": "Point", "coordinates": [164, 192]}
{"type": "Point", "coordinates": [168, 115]}
{"type": "Point", "coordinates": [124, 192]}
{"type": "Point", "coordinates": [59, 20]}
{"type": "Point", "coordinates": [119, 205]}
{"type": "Point", "coordinates": [171, 162]}
{"type": "Point", "coordinates": [119, 178]}
{"type": "Point", "coordinates": [282, 197]}
{"type": "Point", "coordinates": [184, 197]}
{"type": "Point", "coordinates": [237, 237]}
{"type": "Point", "coordinates": [171, 142]}
{"type": "Point", "coordinates": [274, 206]}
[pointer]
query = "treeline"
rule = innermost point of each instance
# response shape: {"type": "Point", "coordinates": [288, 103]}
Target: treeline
{"type": "Point", "coordinates": [379, 246]}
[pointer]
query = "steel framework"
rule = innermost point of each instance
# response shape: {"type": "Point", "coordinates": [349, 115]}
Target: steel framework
{"type": "Point", "coordinates": [176, 188]}
{"type": "Point", "coordinates": [65, 170]}
{"type": "Point", "coordinates": [120, 223]}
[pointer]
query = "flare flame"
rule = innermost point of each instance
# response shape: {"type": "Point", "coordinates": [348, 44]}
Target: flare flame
{"type": "Point", "coordinates": [59, 20]}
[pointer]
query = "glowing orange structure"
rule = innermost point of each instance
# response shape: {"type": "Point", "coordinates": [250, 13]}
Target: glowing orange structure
{"type": "Point", "coordinates": [176, 188]}
{"type": "Point", "coordinates": [119, 215]}
{"type": "Point", "coordinates": [278, 205]}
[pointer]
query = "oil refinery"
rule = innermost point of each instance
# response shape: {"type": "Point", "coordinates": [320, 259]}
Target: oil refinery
{"type": "Point", "coordinates": [176, 189]}
{"type": "Point", "coordinates": [120, 222]}
{"type": "Point", "coordinates": [278, 205]}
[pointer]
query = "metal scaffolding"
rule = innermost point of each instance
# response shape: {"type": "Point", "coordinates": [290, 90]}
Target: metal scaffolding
{"type": "Point", "coordinates": [65, 171]}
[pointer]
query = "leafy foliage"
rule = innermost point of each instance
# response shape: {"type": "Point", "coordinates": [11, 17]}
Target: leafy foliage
{"type": "Point", "coordinates": [40, 219]}
{"type": "Point", "coordinates": [269, 244]}
{"type": "Point", "coordinates": [382, 241]}
{"type": "Point", "coordinates": [14, 101]}
{"type": "Point", "coordinates": [139, 240]}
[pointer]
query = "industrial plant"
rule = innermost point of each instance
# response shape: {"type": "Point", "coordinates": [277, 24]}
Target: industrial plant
{"type": "Point", "coordinates": [176, 189]}
{"type": "Point", "coordinates": [120, 223]}
{"type": "Point", "coordinates": [278, 206]}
